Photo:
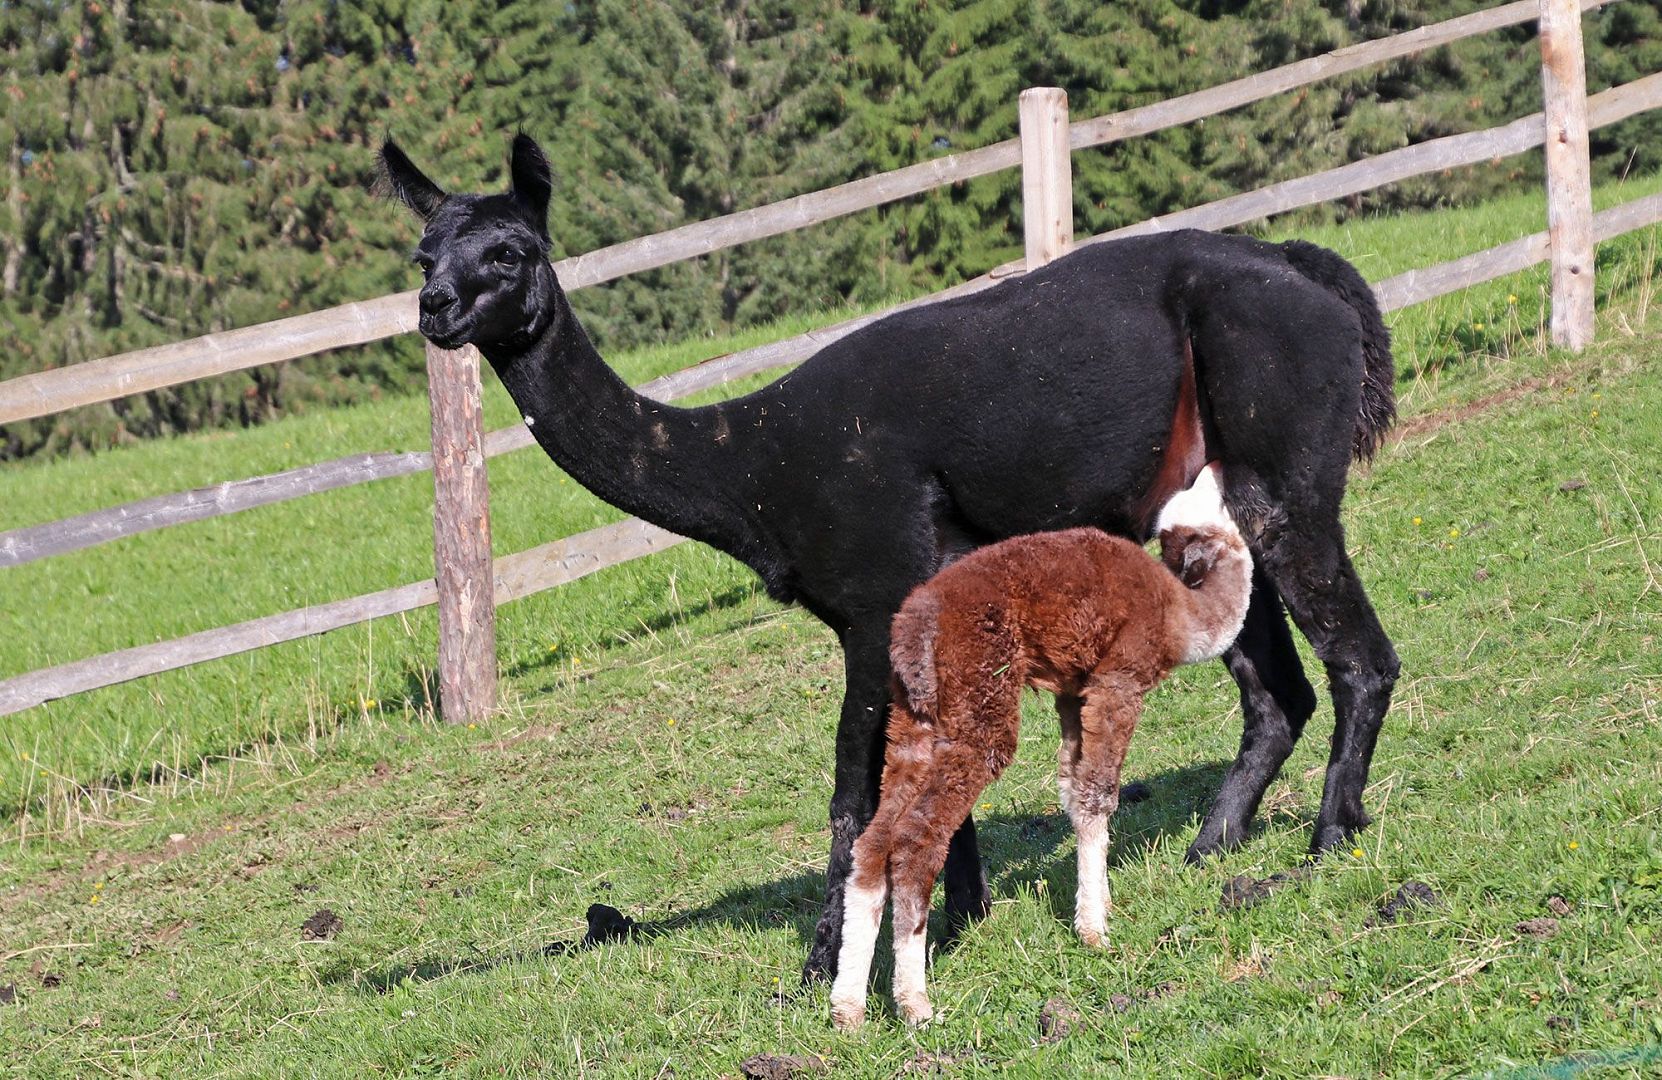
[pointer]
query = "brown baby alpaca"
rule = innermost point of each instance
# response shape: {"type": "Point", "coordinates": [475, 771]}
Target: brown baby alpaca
{"type": "Point", "coordinates": [1090, 617]}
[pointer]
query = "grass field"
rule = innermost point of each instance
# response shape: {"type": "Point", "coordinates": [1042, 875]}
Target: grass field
{"type": "Point", "coordinates": [666, 749]}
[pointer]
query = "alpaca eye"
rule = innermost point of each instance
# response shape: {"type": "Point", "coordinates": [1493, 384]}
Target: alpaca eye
{"type": "Point", "coordinates": [425, 263]}
{"type": "Point", "coordinates": [507, 257]}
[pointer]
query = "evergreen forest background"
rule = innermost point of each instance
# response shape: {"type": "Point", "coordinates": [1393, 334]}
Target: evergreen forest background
{"type": "Point", "coordinates": [176, 167]}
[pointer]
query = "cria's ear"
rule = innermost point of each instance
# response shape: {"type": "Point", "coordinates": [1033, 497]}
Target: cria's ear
{"type": "Point", "coordinates": [1198, 559]}
{"type": "Point", "coordinates": [408, 184]}
{"type": "Point", "coordinates": [532, 184]}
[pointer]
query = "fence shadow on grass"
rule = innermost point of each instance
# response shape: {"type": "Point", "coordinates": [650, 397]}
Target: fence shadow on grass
{"type": "Point", "coordinates": [1018, 849]}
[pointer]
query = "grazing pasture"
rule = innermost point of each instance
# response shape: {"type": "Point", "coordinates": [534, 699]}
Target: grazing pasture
{"type": "Point", "coordinates": [665, 750]}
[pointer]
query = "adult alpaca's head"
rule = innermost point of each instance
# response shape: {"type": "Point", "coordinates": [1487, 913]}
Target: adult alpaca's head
{"type": "Point", "coordinates": [484, 257]}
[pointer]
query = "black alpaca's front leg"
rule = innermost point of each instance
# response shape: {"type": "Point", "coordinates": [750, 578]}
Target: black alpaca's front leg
{"type": "Point", "coordinates": [859, 771]}
{"type": "Point", "coordinates": [967, 896]}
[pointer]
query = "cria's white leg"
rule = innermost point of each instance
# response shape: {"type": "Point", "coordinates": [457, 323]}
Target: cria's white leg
{"type": "Point", "coordinates": [1090, 912]}
{"type": "Point", "coordinates": [862, 915]}
{"type": "Point", "coordinates": [911, 924]}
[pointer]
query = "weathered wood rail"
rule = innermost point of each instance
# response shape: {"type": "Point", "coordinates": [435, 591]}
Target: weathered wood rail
{"type": "Point", "coordinates": [469, 585]}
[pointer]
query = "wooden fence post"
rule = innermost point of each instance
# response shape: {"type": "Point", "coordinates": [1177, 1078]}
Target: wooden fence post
{"type": "Point", "coordinates": [1569, 188]}
{"type": "Point", "coordinates": [461, 537]}
{"type": "Point", "coordinates": [1046, 174]}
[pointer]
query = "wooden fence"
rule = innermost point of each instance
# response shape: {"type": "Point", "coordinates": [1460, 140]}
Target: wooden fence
{"type": "Point", "coordinates": [468, 585]}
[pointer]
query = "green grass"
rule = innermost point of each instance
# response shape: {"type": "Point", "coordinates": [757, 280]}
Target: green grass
{"type": "Point", "coordinates": [1512, 554]}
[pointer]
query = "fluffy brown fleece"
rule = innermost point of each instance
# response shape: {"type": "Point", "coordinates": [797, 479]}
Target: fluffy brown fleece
{"type": "Point", "coordinates": [1093, 619]}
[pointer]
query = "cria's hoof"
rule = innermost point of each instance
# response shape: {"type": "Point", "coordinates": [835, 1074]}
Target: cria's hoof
{"type": "Point", "coordinates": [1091, 938]}
{"type": "Point", "coordinates": [915, 1010]}
{"type": "Point", "coordinates": [848, 1015]}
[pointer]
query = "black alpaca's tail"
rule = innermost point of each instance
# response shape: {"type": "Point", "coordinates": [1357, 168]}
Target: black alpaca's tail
{"type": "Point", "coordinates": [1379, 402]}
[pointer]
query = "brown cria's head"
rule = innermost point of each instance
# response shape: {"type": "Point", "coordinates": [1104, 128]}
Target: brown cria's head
{"type": "Point", "coordinates": [1195, 528]}
{"type": "Point", "coordinates": [1201, 545]}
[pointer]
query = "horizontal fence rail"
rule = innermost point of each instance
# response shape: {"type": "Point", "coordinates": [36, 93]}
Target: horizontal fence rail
{"type": "Point", "coordinates": [518, 575]}
{"type": "Point", "coordinates": [1433, 155]}
{"type": "Point", "coordinates": [24, 545]}
{"type": "Point", "coordinates": [577, 556]}
{"type": "Point", "coordinates": [46, 392]}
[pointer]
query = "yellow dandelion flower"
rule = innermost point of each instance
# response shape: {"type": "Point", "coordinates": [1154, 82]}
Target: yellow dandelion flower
{"type": "Point", "coordinates": [93, 899]}
{"type": "Point", "coordinates": [986, 806]}
{"type": "Point", "coordinates": [1418, 520]}
{"type": "Point", "coordinates": [43, 772]}
{"type": "Point", "coordinates": [576, 661]}
{"type": "Point", "coordinates": [1454, 534]}
{"type": "Point", "coordinates": [98, 885]}
{"type": "Point", "coordinates": [470, 727]}
{"type": "Point", "coordinates": [1356, 853]}
{"type": "Point", "coordinates": [553, 648]}
{"type": "Point", "coordinates": [672, 721]}
{"type": "Point", "coordinates": [1574, 845]}
{"type": "Point", "coordinates": [24, 756]}
{"type": "Point", "coordinates": [1511, 298]}
{"type": "Point", "coordinates": [1477, 326]}
{"type": "Point", "coordinates": [1594, 414]}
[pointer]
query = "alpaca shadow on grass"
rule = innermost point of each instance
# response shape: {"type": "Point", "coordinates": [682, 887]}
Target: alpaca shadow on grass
{"type": "Point", "coordinates": [1018, 850]}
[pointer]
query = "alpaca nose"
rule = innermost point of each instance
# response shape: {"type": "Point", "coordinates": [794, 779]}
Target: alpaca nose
{"type": "Point", "coordinates": [436, 299]}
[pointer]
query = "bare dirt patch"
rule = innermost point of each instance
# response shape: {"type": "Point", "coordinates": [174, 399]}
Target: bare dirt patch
{"type": "Point", "coordinates": [1243, 891]}
{"type": "Point", "coordinates": [323, 925]}
{"type": "Point", "coordinates": [1057, 1020]}
{"type": "Point", "coordinates": [1411, 896]}
{"type": "Point", "coordinates": [781, 1066]}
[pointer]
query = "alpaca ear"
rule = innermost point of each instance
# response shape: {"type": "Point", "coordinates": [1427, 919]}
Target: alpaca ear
{"type": "Point", "coordinates": [408, 184]}
{"type": "Point", "coordinates": [1198, 559]}
{"type": "Point", "coordinates": [532, 183]}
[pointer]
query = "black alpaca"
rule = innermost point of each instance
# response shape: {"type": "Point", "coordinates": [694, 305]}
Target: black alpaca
{"type": "Point", "coordinates": [1043, 403]}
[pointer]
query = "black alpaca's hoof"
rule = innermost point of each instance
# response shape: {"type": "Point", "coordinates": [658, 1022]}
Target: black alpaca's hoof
{"type": "Point", "coordinates": [967, 907]}
{"type": "Point", "coordinates": [1330, 838]}
{"type": "Point", "coordinates": [818, 969]}
{"type": "Point", "coordinates": [1212, 842]}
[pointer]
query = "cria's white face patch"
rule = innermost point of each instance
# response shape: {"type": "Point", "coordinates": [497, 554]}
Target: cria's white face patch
{"type": "Point", "coordinates": [1200, 507]}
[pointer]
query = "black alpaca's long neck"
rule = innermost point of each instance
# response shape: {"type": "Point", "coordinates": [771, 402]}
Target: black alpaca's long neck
{"type": "Point", "coordinates": [669, 466]}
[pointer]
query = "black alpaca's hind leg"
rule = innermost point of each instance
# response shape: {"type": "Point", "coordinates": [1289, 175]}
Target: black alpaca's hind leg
{"type": "Point", "coordinates": [1276, 700]}
{"type": "Point", "coordinates": [967, 896]}
{"type": "Point", "coordinates": [859, 771]}
{"type": "Point", "coordinates": [1325, 598]}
